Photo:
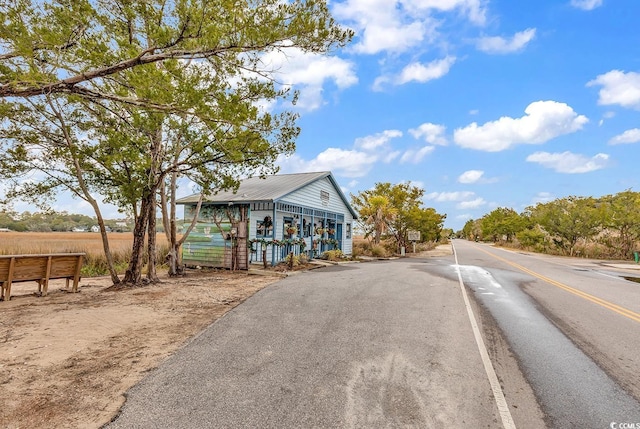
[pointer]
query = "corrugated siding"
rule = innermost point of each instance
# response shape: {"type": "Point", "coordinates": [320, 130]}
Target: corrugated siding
{"type": "Point", "coordinates": [206, 245]}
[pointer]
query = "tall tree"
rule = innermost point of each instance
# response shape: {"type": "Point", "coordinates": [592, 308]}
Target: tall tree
{"type": "Point", "coordinates": [501, 222]}
{"type": "Point", "coordinates": [401, 206]}
{"type": "Point", "coordinates": [428, 221]}
{"type": "Point", "coordinates": [140, 68]}
{"type": "Point", "coordinates": [568, 220]}
{"type": "Point", "coordinates": [375, 213]}
{"type": "Point", "coordinates": [622, 216]}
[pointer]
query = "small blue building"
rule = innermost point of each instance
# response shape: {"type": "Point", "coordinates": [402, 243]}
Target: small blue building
{"type": "Point", "coordinates": [268, 218]}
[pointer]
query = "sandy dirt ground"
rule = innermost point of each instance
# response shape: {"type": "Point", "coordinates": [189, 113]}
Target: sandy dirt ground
{"type": "Point", "coordinates": [67, 359]}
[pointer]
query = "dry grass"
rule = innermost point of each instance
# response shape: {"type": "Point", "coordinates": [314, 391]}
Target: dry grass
{"type": "Point", "coordinates": [30, 243]}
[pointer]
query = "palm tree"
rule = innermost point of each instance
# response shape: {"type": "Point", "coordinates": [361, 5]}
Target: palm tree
{"type": "Point", "coordinates": [378, 213]}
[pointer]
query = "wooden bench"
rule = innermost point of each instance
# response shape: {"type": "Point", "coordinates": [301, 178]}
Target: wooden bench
{"type": "Point", "coordinates": [39, 268]}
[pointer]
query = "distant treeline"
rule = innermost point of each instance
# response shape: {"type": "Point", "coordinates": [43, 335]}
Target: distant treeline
{"type": "Point", "coordinates": [56, 222]}
{"type": "Point", "coordinates": [606, 227]}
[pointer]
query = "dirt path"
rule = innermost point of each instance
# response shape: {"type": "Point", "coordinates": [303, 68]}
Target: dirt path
{"type": "Point", "coordinates": [66, 360]}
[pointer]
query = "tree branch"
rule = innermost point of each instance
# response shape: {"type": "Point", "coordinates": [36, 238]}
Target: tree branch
{"type": "Point", "coordinates": [148, 56]}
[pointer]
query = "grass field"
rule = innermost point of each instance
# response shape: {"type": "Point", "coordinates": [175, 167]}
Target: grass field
{"type": "Point", "coordinates": [29, 243]}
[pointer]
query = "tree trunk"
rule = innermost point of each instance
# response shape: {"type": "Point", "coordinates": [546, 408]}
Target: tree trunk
{"type": "Point", "coordinates": [133, 275]}
{"type": "Point", "coordinates": [107, 251]}
{"type": "Point", "coordinates": [147, 217]}
{"type": "Point", "coordinates": [152, 253]}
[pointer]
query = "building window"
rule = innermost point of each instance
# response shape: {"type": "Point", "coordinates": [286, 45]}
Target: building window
{"type": "Point", "coordinates": [306, 228]}
{"type": "Point", "coordinates": [264, 227]}
{"type": "Point", "coordinates": [348, 230]}
{"type": "Point", "coordinates": [289, 228]}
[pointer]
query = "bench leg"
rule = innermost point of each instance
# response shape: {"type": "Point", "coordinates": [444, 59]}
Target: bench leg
{"type": "Point", "coordinates": [43, 287]}
{"type": "Point", "coordinates": [6, 290]}
{"type": "Point", "coordinates": [74, 288]}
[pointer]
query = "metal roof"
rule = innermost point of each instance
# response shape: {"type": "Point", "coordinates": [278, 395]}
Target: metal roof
{"type": "Point", "coordinates": [268, 189]}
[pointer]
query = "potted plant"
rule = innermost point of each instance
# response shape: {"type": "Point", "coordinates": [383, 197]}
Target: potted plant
{"type": "Point", "coordinates": [292, 230]}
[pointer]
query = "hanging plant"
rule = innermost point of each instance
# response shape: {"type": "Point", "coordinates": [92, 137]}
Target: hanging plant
{"type": "Point", "coordinates": [292, 230]}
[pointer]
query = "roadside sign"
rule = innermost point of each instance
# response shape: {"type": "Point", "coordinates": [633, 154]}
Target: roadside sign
{"type": "Point", "coordinates": [413, 235]}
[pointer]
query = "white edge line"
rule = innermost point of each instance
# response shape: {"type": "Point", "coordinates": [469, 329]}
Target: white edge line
{"type": "Point", "coordinates": [498, 394]}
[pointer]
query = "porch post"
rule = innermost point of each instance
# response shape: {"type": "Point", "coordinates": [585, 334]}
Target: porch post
{"type": "Point", "coordinates": [273, 248]}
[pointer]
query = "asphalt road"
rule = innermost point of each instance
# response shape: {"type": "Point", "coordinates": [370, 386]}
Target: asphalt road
{"type": "Point", "coordinates": [391, 344]}
{"type": "Point", "coordinates": [574, 326]}
{"type": "Point", "coordinates": [372, 345]}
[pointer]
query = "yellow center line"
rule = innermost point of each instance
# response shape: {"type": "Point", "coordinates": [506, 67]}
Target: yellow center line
{"type": "Point", "coordinates": [606, 304]}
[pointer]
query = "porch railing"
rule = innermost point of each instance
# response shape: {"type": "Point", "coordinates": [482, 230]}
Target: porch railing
{"type": "Point", "coordinates": [312, 248]}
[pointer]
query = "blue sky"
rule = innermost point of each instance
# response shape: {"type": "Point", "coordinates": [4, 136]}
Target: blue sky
{"type": "Point", "coordinates": [482, 103]}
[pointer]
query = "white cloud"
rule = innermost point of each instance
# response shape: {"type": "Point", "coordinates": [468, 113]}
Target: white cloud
{"type": "Point", "coordinates": [377, 141]}
{"type": "Point", "coordinates": [391, 156]}
{"type": "Point", "coordinates": [416, 156]}
{"type": "Point", "coordinates": [619, 88]}
{"type": "Point", "coordinates": [500, 45]}
{"type": "Point", "coordinates": [543, 197]}
{"type": "Point", "coordinates": [471, 176]}
{"type": "Point", "coordinates": [381, 25]}
{"type": "Point", "coordinates": [416, 72]}
{"type": "Point", "coordinates": [397, 26]}
{"type": "Point", "coordinates": [473, 204]}
{"type": "Point", "coordinates": [472, 8]}
{"type": "Point", "coordinates": [544, 120]}
{"type": "Point", "coordinates": [423, 73]}
{"type": "Point", "coordinates": [352, 163]}
{"type": "Point", "coordinates": [606, 115]}
{"type": "Point", "coordinates": [586, 4]}
{"type": "Point", "coordinates": [629, 136]}
{"type": "Point", "coordinates": [442, 197]}
{"type": "Point", "coordinates": [570, 163]}
{"type": "Point", "coordinates": [347, 163]}
{"type": "Point", "coordinates": [431, 133]}
{"type": "Point", "coordinates": [309, 73]}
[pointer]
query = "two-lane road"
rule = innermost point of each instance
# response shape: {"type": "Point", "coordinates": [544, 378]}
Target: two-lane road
{"type": "Point", "coordinates": [384, 344]}
{"type": "Point", "coordinates": [573, 324]}
{"type": "Point", "coordinates": [482, 338]}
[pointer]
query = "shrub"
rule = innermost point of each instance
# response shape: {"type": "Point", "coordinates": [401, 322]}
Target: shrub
{"type": "Point", "coordinates": [332, 255]}
{"type": "Point", "coordinates": [303, 258]}
{"type": "Point", "coordinates": [378, 251]}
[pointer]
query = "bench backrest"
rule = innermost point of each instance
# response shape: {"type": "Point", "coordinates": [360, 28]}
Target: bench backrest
{"type": "Point", "coordinates": [34, 267]}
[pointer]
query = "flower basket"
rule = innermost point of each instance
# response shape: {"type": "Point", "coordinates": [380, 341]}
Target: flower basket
{"type": "Point", "coordinates": [292, 230]}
